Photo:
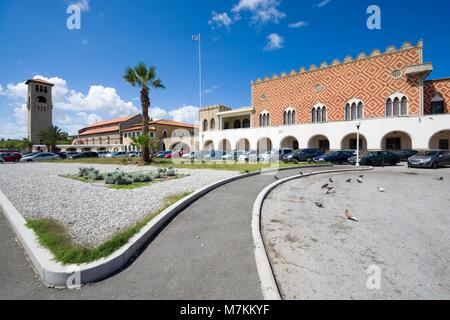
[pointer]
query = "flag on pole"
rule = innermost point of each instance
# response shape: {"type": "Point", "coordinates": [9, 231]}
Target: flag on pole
{"type": "Point", "coordinates": [196, 37]}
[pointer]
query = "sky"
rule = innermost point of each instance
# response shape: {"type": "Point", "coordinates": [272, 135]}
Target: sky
{"type": "Point", "coordinates": [242, 40]}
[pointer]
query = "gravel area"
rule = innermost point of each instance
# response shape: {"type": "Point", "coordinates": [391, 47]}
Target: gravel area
{"type": "Point", "coordinates": [92, 214]}
{"type": "Point", "coordinates": [405, 232]}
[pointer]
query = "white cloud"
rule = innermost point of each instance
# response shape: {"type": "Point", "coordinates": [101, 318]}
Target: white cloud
{"type": "Point", "coordinates": [263, 11]}
{"type": "Point", "coordinates": [299, 24]}
{"type": "Point", "coordinates": [220, 20]}
{"type": "Point", "coordinates": [187, 114]}
{"type": "Point", "coordinates": [83, 4]}
{"type": "Point", "coordinates": [323, 3]}
{"type": "Point", "coordinates": [275, 42]}
{"type": "Point", "coordinates": [157, 113]}
{"type": "Point", "coordinates": [1, 90]}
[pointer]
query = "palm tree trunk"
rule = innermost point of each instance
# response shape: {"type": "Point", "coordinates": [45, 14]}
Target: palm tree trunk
{"type": "Point", "coordinates": [145, 101]}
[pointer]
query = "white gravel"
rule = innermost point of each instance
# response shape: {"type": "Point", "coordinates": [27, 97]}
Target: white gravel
{"type": "Point", "coordinates": [92, 214]}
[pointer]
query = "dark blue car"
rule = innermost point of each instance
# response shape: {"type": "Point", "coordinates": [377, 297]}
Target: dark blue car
{"type": "Point", "coordinates": [334, 157]}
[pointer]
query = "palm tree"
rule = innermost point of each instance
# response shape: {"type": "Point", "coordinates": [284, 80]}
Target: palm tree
{"type": "Point", "coordinates": [51, 136]}
{"type": "Point", "coordinates": [144, 78]}
{"type": "Point", "coordinates": [143, 141]}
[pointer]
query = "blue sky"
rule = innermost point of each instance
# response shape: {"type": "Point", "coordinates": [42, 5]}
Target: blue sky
{"type": "Point", "coordinates": [242, 40]}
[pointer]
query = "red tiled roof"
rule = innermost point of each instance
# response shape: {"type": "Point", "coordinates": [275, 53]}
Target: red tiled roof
{"type": "Point", "coordinates": [109, 122]}
{"type": "Point", "coordinates": [173, 123]}
{"type": "Point", "coordinates": [100, 130]}
{"type": "Point", "coordinates": [138, 128]}
{"type": "Point", "coordinates": [39, 81]}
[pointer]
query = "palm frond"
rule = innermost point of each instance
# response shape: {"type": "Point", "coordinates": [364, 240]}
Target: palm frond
{"type": "Point", "coordinates": [157, 84]}
{"type": "Point", "coordinates": [142, 73]}
{"type": "Point", "coordinates": [130, 76]}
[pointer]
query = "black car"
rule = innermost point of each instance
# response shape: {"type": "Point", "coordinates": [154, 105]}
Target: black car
{"type": "Point", "coordinates": [377, 158]}
{"type": "Point", "coordinates": [405, 154]}
{"type": "Point", "coordinates": [62, 155]}
{"type": "Point", "coordinates": [86, 154]}
{"type": "Point", "coordinates": [303, 155]}
{"type": "Point", "coordinates": [334, 157]}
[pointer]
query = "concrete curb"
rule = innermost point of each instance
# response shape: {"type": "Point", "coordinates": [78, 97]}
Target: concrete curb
{"type": "Point", "coordinates": [269, 285]}
{"type": "Point", "coordinates": [54, 274]}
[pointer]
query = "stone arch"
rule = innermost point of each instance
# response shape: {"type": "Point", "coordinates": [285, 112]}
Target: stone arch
{"type": "Point", "coordinates": [440, 140]}
{"type": "Point", "coordinates": [349, 142]}
{"type": "Point", "coordinates": [264, 145]}
{"type": "Point", "coordinates": [319, 141]}
{"type": "Point", "coordinates": [289, 142]}
{"type": "Point", "coordinates": [180, 146]}
{"type": "Point", "coordinates": [396, 140]}
{"type": "Point", "coordinates": [208, 145]}
{"type": "Point", "coordinates": [243, 144]}
{"type": "Point", "coordinates": [224, 145]}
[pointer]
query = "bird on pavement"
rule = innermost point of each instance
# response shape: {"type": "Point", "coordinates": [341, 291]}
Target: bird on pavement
{"type": "Point", "coordinates": [331, 180]}
{"type": "Point", "coordinates": [301, 173]}
{"type": "Point", "coordinates": [325, 186]}
{"type": "Point", "coordinates": [381, 189]}
{"type": "Point", "coordinates": [276, 178]}
{"type": "Point", "coordinates": [349, 216]}
{"type": "Point", "coordinates": [319, 205]}
{"type": "Point", "coordinates": [349, 180]}
{"type": "Point", "coordinates": [361, 176]}
{"type": "Point", "coordinates": [360, 180]}
{"type": "Point", "coordinates": [440, 179]}
{"type": "Point", "coordinates": [331, 190]}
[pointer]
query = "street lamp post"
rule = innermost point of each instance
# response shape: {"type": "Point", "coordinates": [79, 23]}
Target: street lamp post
{"type": "Point", "coordinates": [358, 126]}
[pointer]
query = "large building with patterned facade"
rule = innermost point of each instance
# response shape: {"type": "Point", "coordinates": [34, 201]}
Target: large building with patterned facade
{"type": "Point", "coordinates": [387, 93]}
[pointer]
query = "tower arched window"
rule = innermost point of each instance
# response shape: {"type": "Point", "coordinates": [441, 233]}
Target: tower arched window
{"type": "Point", "coordinates": [205, 125]}
{"type": "Point", "coordinates": [353, 111]}
{"type": "Point", "coordinates": [347, 112]}
{"type": "Point", "coordinates": [437, 105]}
{"type": "Point", "coordinates": [213, 124]}
{"type": "Point", "coordinates": [313, 115]}
{"type": "Point", "coordinates": [360, 110]}
{"type": "Point", "coordinates": [404, 106]}
{"type": "Point", "coordinates": [264, 119]}
{"type": "Point", "coordinates": [293, 117]}
{"type": "Point", "coordinates": [396, 107]}
{"type": "Point", "coordinates": [389, 108]}
{"type": "Point", "coordinates": [319, 114]}
{"type": "Point", "coordinates": [41, 99]}
{"type": "Point", "coordinates": [260, 120]}
{"type": "Point", "coordinates": [324, 114]}
{"type": "Point", "coordinates": [237, 124]}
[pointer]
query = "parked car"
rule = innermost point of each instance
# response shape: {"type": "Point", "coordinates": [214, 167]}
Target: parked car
{"type": "Point", "coordinates": [430, 159]}
{"type": "Point", "coordinates": [352, 151]}
{"type": "Point", "coordinates": [377, 158]}
{"type": "Point", "coordinates": [163, 154]}
{"type": "Point", "coordinates": [42, 156]}
{"type": "Point", "coordinates": [103, 154]}
{"type": "Point", "coordinates": [62, 155]}
{"type": "Point", "coordinates": [69, 155]}
{"type": "Point", "coordinates": [86, 154]}
{"type": "Point", "coordinates": [266, 156]}
{"type": "Point", "coordinates": [405, 154]}
{"type": "Point", "coordinates": [250, 156]}
{"type": "Point", "coordinates": [279, 154]}
{"type": "Point", "coordinates": [169, 155]}
{"type": "Point", "coordinates": [1, 160]}
{"type": "Point", "coordinates": [134, 154]}
{"type": "Point", "coordinates": [12, 156]}
{"type": "Point", "coordinates": [117, 154]}
{"type": "Point", "coordinates": [233, 155]}
{"type": "Point", "coordinates": [303, 155]}
{"type": "Point", "coordinates": [339, 157]}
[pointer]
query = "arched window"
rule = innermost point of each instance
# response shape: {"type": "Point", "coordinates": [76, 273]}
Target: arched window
{"type": "Point", "coordinates": [237, 124]}
{"type": "Point", "coordinates": [353, 111]}
{"type": "Point", "coordinates": [37, 88]}
{"type": "Point", "coordinates": [213, 124]}
{"type": "Point", "coordinates": [264, 120]}
{"type": "Point", "coordinates": [389, 108]}
{"type": "Point", "coordinates": [260, 120]}
{"type": "Point", "coordinates": [347, 112]}
{"type": "Point", "coordinates": [360, 110]}
{"type": "Point", "coordinates": [165, 133]}
{"type": "Point", "coordinates": [268, 120]}
{"type": "Point", "coordinates": [324, 114]}
{"type": "Point", "coordinates": [205, 125]}
{"type": "Point", "coordinates": [437, 105]}
{"type": "Point", "coordinates": [313, 115]}
{"type": "Point", "coordinates": [246, 123]}
{"type": "Point", "coordinates": [45, 89]}
{"type": "Point", "coordinates": [404, 107]}
{"type": "Point", "coordinates": [41, 99]}
{"type": "Point", "coordinates": [396, 107]}
{"type": "Point", "coordinates": [319, 114]}
{"type": "Point", "coordinates": [285, 118]}
{"type": "Point", "coordinates": [293, 118]}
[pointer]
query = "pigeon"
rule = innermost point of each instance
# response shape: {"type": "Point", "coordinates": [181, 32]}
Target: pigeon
{"type": "Point", "coordinates": [331, 180]}
{"type": "Point", "coordinates": [319, 205]}
{"type": "Point", "coordinates": [349, 180]}
{"type": "Point", "coordinates": [360, 180]}
{"type": "Point", "coordinates": [381, 189]}
{"type": "Point", "coordinates": [361, 176]}
{"type": "Point", "coordinates": [331, 191]}
{"type": "Point", "coordinates": [325, 186]}
{"type": "Point", "coordinates": [301, 173]}
{"type": "Point", "coordinates": [276, 178]}
{"type": "Point", "coordinates": [440, 179]}
{"type": "Point", "coordinates": [349, 216]}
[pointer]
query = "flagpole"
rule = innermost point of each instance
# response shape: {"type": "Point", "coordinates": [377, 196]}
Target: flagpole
{"type": "Point", "coordinates": [200, 68]}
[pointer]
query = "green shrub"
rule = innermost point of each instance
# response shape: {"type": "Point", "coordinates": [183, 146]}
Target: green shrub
{"type": "Point", "coordinates": [140, 177]}
{"type": "Point", "coordinates": [124, 181]}
{"type": "Point", "coordinates": [90, 174]}
{"type": "Point", "coordinates": [113, 177]}
{"type": "Point", "coordinates": [171, 172]}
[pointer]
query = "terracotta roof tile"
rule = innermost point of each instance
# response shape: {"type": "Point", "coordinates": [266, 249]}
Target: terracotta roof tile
{"type": "Point", "coordinates": [109, 122]}
{"type": "Point", "coordinates": [100, 130]}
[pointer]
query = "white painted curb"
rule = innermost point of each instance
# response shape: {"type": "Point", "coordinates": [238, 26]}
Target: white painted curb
{"type": "Point", "coordinates": [55, 274]}
{"type": "Point", "coordinates": [267, 278]}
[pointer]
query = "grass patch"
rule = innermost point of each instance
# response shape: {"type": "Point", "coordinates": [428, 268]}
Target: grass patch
{"type": "Point", "coordinates": [53, 235]}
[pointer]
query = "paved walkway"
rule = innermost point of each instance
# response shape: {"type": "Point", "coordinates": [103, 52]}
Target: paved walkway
{"type": "Point", "coordinates": [206, 252]}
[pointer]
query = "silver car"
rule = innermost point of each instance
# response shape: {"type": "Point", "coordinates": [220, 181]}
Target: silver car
{"type": "Point", "coordinates": [43, 156]}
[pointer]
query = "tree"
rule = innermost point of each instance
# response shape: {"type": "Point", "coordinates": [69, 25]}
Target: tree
{"type": "Point", "coordinates": [143, 141]}
{"type": "Point", "coordinates": [144, 78]}
{"type": "Point", "coordinates": [51, 136]}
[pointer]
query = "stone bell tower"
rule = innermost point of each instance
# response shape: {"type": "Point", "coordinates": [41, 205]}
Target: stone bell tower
{"type": "Point", "coordinates": [40, 108]}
